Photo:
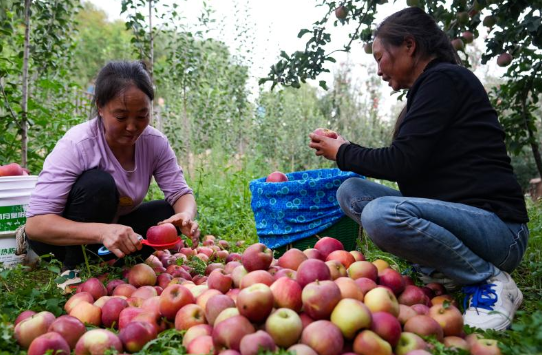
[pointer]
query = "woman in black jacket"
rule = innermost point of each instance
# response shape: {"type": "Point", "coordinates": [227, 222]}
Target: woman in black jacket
{"type": "Point", "coordinates": [459, 214]}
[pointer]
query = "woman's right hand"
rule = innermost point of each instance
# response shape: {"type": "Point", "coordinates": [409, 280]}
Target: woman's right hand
{"type": "Point", "coordinates": [120, 240]}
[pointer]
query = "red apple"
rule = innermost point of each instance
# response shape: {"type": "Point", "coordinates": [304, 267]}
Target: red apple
{"type": "Point", "coordinates": [162, 234]}
{"type": "Point", "coordinates": [319, 298]}
{"type": "Point", "coordinates": [504, 59]}
{"type": "Point", "coordinates": [125, 290]}
{"type": "Point", "coordinates": [365, 284]}
{"type": "Point", "coordinates": [145, 292]}
{"type": "Point", "coordinates": [276, 176]}
{"type": "Point", "coordinates": [324, 131]}
{"type": "Point", "coordinates": [368, 342]}
{"type": "Point", "coordinates": [151, 305]}
{"type": "Point", "coordinates": [257, 257]}
{"type": "Point", "coordinates": [188, 316]}
{"type": "Point", "coordinates": [12, 169]}
{"type": "Point", "coordinates": [95, 287]}
{"type": "Point", "coordinates": [219, 280]}
{"type": "Point", "coordinates": [233, 257]}
{"type": "Point", "coordinates": [351, 316]}
{"type": "Point", "coordinates": [251, 344]}
{"type": "Point", "coordinates": [311, 270]}
{"type": "Point", "coordinates": [358, 256]}
{"type": "Point", "coordinates": [312, 253]}
{"type": "Point", "coordinates": [449, 318]}
{"type": "Point", "coordinates": [412, 295]}
{"type": "Point", "coordinates": [32, 327]}
{"type": "Point", "coordinates": [23, 315]}
{"type": "Point", "coordinates": [202, 344]}
{"type": "Point", "coordinates": [301, 349]}
{"type": "Point", "coordinates": [363, 269]}
{"type": "Point", "coordinates": [287, 294]}
{"type": "Point", "coordinates": [456, 342]}
{"type": "Point", "coordinates": [173, 298]}
{"type": "Point", "coordinates": [343, 256]}
{"type": "Point", "coordinates": [225, 314]}
{"type": "Point", "coordinates": [292, 258]}
{"type": "Point", "coordinates": [387, 327]}
{"type": "Point", "coordinates": [257, 276]}
{"type": "Point", "coordinates": [423, 325]}
{"type": "Point", "coordinates": [349, 288]}
{"type": "Point", "coordinates": [326, 245]}
{"type": "Point", "coordinates": [228, 333]}
{"type": "Point", "coordinates": [324, 337]}
{"type": "Point", "coordinates": [69, 327]}
{"type": "Point", "coordinates": [142, 275]}
{"type": "Point", "coordinates": [409, 342]}
{"type": "Point", "coordinates": [392, 279]}
{"type": "Point", "coordinates": [127, 315]}
{"type": "Point", "coordinates": [97, 341]}
{"type": "Point", "coordinates": [437, 288]}
{"type": "Point", "coordinates": [196, 331]}
{"type": "Point", "coordinates": [215, 305]}
{"type": "Point", "coordinates": [87, 313]}
{"type": "Point", "coordinates": [405, 313]}
{"type": "Point", "coordinates": [51, 343]}
{"type": "Point", "coordinates": [135, 335]}
{"type": "Point", "coordinates": [111, 285]}
{"type": "Point", "coordinates": [285, 327]}
{"type": "Point", "coordinates": [420, 308]}
{"type": "Point", "coordinates": [341, 12]}
{"type": "Point", "coordinates": [255, 302]}
{"type": "Point", "coordinates": [77, 299]}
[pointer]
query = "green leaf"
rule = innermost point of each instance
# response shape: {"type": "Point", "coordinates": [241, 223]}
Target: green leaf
{"type": "Point", "coordinates": [303, 32]}
{"type": "Point", "coordinates": [323, 85]}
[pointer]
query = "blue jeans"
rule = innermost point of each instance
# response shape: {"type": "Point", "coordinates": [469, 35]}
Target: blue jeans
{"type": "Point", "coordinates": [465, 243]}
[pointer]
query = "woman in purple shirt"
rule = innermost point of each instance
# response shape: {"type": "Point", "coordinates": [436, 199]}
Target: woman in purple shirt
{"type": "Point", "coordinates": [91, 189]}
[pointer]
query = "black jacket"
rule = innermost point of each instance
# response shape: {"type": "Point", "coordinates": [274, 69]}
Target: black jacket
{"type": "Point", "coordinates": [449, 147]}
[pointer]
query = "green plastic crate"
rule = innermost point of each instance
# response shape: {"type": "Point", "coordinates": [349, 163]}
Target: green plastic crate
{"type": "Point", "coordinates": [345, 230]}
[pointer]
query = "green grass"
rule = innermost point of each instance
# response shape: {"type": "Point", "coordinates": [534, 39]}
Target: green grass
{"type": "Point", "coordinates": [224, 210]}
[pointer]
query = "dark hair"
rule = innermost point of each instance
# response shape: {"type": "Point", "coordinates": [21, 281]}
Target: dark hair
{"type": "Point", "coordinates": [431, 40]}
{"type": "Point", "coordinates": [415, 23]}
{"type": "Point", "coordinates": [115, 77]}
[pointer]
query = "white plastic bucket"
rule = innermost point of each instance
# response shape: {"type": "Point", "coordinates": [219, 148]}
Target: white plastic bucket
{"type": "Point", "coordinates": [15, 194]}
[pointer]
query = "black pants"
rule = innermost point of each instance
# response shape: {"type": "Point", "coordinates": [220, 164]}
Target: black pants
{"type": "Point", "coordinates": [94, 198]}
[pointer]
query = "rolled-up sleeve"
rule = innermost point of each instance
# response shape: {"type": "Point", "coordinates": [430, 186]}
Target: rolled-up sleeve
{"type": "Point", "coordinates": [169, 175]}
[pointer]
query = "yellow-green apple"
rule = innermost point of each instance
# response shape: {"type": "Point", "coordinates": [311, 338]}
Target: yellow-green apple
{"type": "Point", "coordinates": [135, 301]}
{"type": "Point", "coordinates": [237, 275]}
{"type": "Point", "coordinates": [101, 301]}
{"type": "Point", "coordinates": [225, 314]}
{"type": "Point", "coordinates": [323, 337]}
{"type": "Point", "coordinates": [319, 298]}
{"type": "Point", "coordinates": [257, 257]}
{"type": "Point", "coordinates": [485, 347]}
{"type": "Point", "coordinates": [285, 327]}
{"type": "Point", "coordinates": [449, 318]}
{"type": "Point", "coordinates": [368, 342]}
{"type": "Point", "coordinates": [358, 256]}
{"type": "Point", "coordinates": [164, 233]}
{"type": "Point", "coordinates": [336, 269]}
{"type": "Point", "coordinates": [456, 342]}
{"type": "Point", "coordinates": [125, 290]}
{"type": "Point", "coordinates": [135, 335]}
{"type": "Point", "coordinates": [313, 253]}
{"type": "Point", "coordinates": [387, 327]}
{"type": "Point", "coordinates": [202, 299]}
{"type": "Point", "coordinates": [311, 270]}
{"type": "Point", "coordinates": [98, 341]}
{"type": "Point", "coordinates": [351, 315]}
{"type": "Point", "coordinates": [32, 327]}
{"type": "Point", "coordinates": [69, 327]}
{"type": "Point", "coordinates": [412, 295]}
{"type": "Point", "coordinates": [276, 176]}
{"type": "Point", "coordinates": [405, 313]}
{"type": "Point", "coordinates": [365, 284]}
{"type": "Point", "coordinates": [219, 280]}
{"type": "Point", "coordinates": [326, 245]}
{"type": "Point", "coordinates": [196, 331]}
{"type": "Point", "coordinates": [381, 264]}
{"type": "Point", "coordinates": [349, 288]}
{"type": "Point", "coordinates": [202, 344]}
{"type": "Point", "coordinates": [215, 305]}
{"type": "Point", "coordinates": [251, 344]}
{"type": "Point", "coordinates": [111, 311]}
{"type": "Point", "coordinates": [255, 277]}
{"type": "Point", "coordinates": [142, 275]}
{"type": "Point", "coordinates": [409, 342]}
{"type": "Point", "coordinates": [361, 269]}
{"type": "Point", "coordinates": [198, 290]}
{"type": "Point", "coordinates": [287, 293]}
{"type": "Point", "coordinates": [50, 343]}
{"type": "Point", "coordinates": [95, 287]}
{"type": "Point", "coordinates": [342, 256]}
{"type": "Point", "coordinates": [188, 316]}
{"type": "Point", "coordinates": [292, 274]}
{"type": "Point", "coordinates": [291, 259]}
{"type": "Point", "coordinates": [173, 298]}
{"type": "Point", "coordinates": [23, 315]}
{"type": "Point", "coordinates": [392, 279]}
{"type": "Point", "coordinates": [424, 326]}
{"type": "Point", "coordinates": [301, 349]}
{"type": "Point", "coordinates": [228, 333]}
{"type": "Point", "coordinates": [381, 299]}
{"type": "Point", "coordinates": [255, 302]}
{"type": "Point", "coordinates": [87, 313]}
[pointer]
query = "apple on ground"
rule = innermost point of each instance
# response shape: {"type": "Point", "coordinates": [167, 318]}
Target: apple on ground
{"type": "Point", "coordinates": [381, 264]}
{"type": "Point", "coordinates": [213, 266]}
{"type": "Point", "coordinates": [311, 270]}
{"type": "Point", "coordinates": [215, 305]}
{"type": "Point", "coordinates": [292, 258]}
{"type": "Point", "coordinates": [112, 284]}
{"type": "Point", "coordinates": [196, 331]}
{"type": "Point", "coordinates": [228, 333]}
{"type": "Point", "coordinates": [424, 325]}
{"type": "Point", "coordinates": [312, 253]}
{"type": "Point", "coordinates": [301, 349]}
{"type": "Point", "coordinates": [233, 257]}
{"type": "Point", "coordinates": [485, 347]}
{"type": "Point", "coordinates": [387, 327]}
{"type": "Point", "coordinates": [368, 342]}
{"type": "Point", "coordinates": [326, 245]}
{"type": "Point", "coordinates": [95, 287]}
{"type": "Point", "coordinates": [382, 299]}
{"type": "Point", "coordinates": [34, 326]}
{"type": "Point", "coordinates": [409, 342]}
{"type": "Point", "coordinates": [142, 275]}
{"type": "Point", "coordinates": [287, 294]}
{"type": "Point", "coordinates": [203, 298]}
{"type": "Point", "coordinates": [343, 256]}
{"type": "Point", "coordinates": [257, 257]}
{"type": "Point", "coordinates": [412, 295]}
{"type": "Point", "coordinates": [50, 342]}
{"type": "Point", "coordinates": [230, 265]}
{"type": "Point", "coordinates": [323, 337]}
{"type": "Point", "coordinates": [164, 233]}
{"type": "Point", "coordinates": [219, 280]}
{"type": "Point", "coordinates": [98, 341]}
{"type": "Point", "coordinates": [225, 314]}
{"type": "Point", "coordinates": [336, 269]}
{"type": "Point", "coordinates": [420, 308]}
{"type": "Point", "coordinates": [449, 318]}
{"type": "Point", "coordinates": [365, 284]}
{"type": "Point", "coordinates": [456, 342]}
{"type": "Point", "coordinates": [289, 273]}
{"type": "Point", "coordinates": [69, 327]}
{"type": "Point", "coordinates": [363, 268]}
{"type": "Point", "coordinates": [145, 292]}
{"type": "Point", "coordinates": [87, 313]}
{"type": "Point", "coordinates": [23, 315]}
{"type": "Point", "coordinates": [437, 288]}
{"type": "Point", "coordinates": [202, 344]}
{"type": "Point", "coordinates": [255, 302]}
{"type": "Point", "coordinates": [150, 305]}
{"type": "Point", "coordinates": [127, 315]}
{"type": "Point", "coordinates": [173, 298]}
{"type": "Point", "coordinates": [257, 276]}
{"type": "Point", "coordinates": [351, 316]}
{"type": "Point", "coordinates": [135, 335]}
{"type": "Point", "coordinates": [188, 316]}
{"type": "Point", "coordinates": [125, 290]}
{"type": "Point", "coordinates": [358, 256]}
{"type": "Point", "coordinates": [349, 288]}
{"type": "Point", "coordinates": [320, 298]}
{"type": "Point", "coordinates": [392, 279]}
{"type": "Point", "coordinates": [251, 344]}
{"type": "Point", "coordinates": [284, 326]}
{"type": "Point", "coordinates": [405, 313]}
{"type": "Point", "coordinates": [276, 176]}
{"type": "Point", "coordinates": [153, 319]}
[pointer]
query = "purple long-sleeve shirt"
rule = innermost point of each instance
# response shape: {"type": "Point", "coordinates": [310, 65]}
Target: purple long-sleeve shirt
{"type": "Point", "coordinates": [84, 147]}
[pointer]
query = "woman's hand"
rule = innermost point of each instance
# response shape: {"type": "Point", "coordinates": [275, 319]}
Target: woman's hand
{"type": "Point", "coordinates": [325, 146]}
{"type": "Point", "coordinates": [188, 227]}
{"type": "Point", "coordinates": [120, 240]}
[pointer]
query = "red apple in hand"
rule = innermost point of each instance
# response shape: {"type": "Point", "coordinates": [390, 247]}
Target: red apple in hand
{"type": "Point", "coordinates": [326, 133]}
{"type": "Point", "coordinates": [162, 234]}
{"type": "Point", "coordinates": [12, 169]}
{"type": "Point", "coordinates": [276, 176]}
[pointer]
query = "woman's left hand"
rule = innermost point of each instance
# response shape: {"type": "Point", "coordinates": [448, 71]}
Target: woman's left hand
{"type": "Point", "coordinates": [325, 146]}
{"type": "Point", "coordinates": [188, 227]}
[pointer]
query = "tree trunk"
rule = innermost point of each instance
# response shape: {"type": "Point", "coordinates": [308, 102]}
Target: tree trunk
{"type": "Point", "coordinates": [24, 100]}
{"type": "Point", "coordinates": [151, 58]}
{"type": "Point", "coordinates": [534, 145]}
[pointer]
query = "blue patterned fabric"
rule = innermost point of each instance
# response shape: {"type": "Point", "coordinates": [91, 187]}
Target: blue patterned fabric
{"type": "Point", "coordinates": [304, 205]}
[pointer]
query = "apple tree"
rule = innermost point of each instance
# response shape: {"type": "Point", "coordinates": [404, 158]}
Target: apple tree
{"type": "Point", "coordinates": [514, 41]}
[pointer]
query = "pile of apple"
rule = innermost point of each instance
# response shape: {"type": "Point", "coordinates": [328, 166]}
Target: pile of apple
{"type": "Point", "coordinates": [320, 301]}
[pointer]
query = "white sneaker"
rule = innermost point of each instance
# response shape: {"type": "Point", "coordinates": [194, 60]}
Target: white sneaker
{"type": "Point", "coordinates": [492, 304]}
{"type": "Point", "coordinates": [71, 278]}
{"type": "Point", "coordinates": [438, 277]}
